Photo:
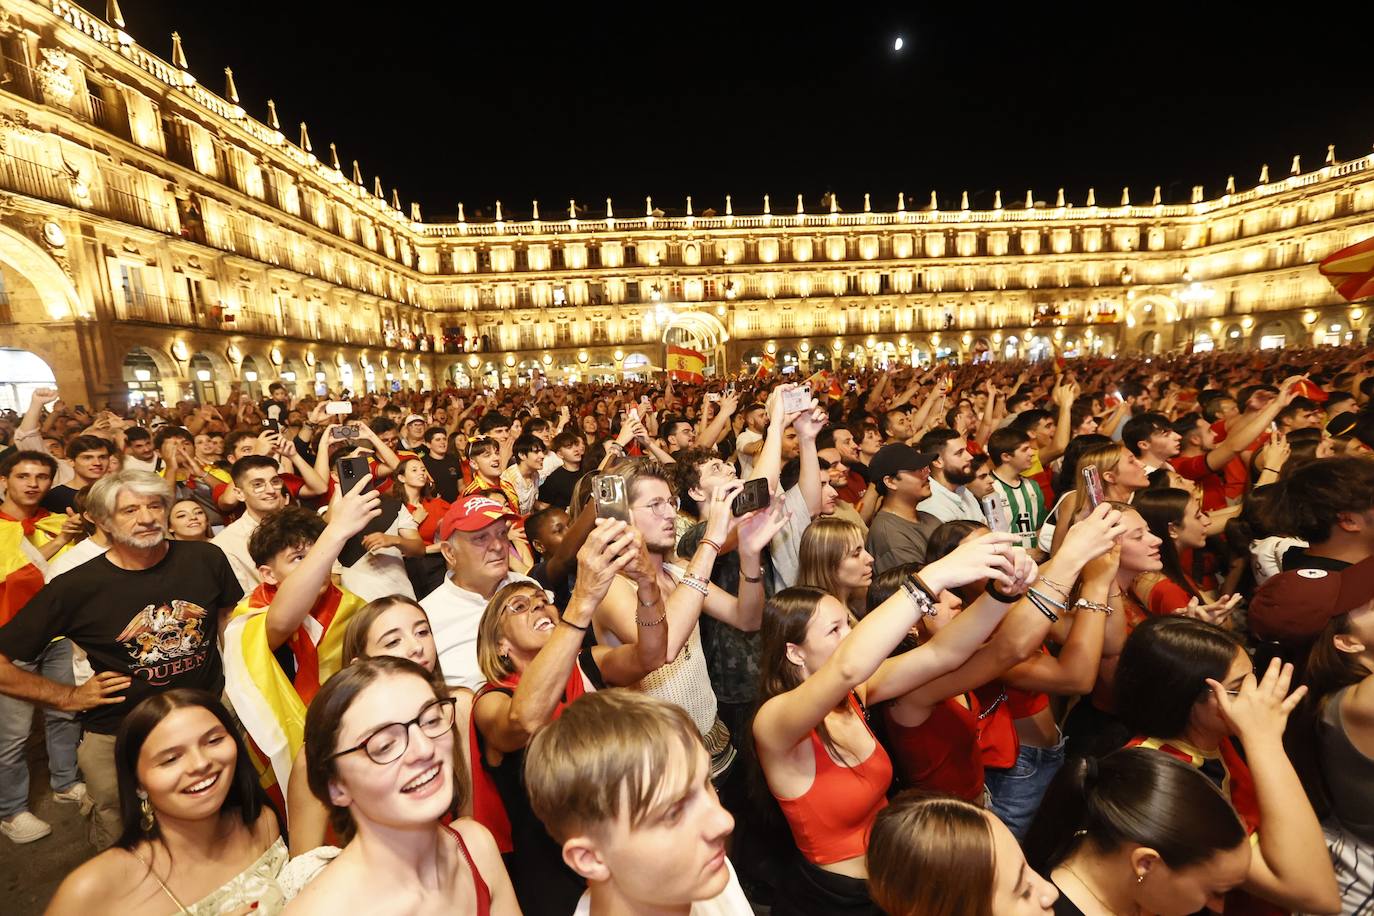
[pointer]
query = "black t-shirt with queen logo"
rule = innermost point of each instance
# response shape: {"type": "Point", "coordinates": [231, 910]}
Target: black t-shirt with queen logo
{"type": "Point", "coordinates": [159, 625]}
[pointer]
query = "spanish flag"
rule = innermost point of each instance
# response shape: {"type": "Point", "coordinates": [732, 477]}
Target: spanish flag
{"type": "Point", "coordinates": [21, 565]}
{"type": "Point", "coordinates": [685, 365]}
{"type": "Point", "coordinates": [270, 705]}
{"type": "Point", "coordinates": [1351, 270]}
{"type": "Point", "coordinates": [767, 365]}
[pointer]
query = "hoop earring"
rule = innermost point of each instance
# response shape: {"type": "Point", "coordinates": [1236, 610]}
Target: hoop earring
{"type": "Point", "coordinates": [146, 819]}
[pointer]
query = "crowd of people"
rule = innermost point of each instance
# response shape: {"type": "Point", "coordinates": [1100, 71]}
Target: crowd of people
{"type": "Point", "coordinates": [1089, 636]}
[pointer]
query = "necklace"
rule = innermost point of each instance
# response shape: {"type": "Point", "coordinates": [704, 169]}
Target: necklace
{"type": "Point", "coordinates": [1102, 903]}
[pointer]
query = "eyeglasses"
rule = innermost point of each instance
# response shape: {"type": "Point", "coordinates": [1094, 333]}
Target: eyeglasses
{"type": "Point", "coordinates": [658, 507]}
{"type": "Point", "coordinates": [523, 604]}
{"type": "Point", "coordinates": [388, 743]}
{"type": "Point", "coordinates": [258, 486]}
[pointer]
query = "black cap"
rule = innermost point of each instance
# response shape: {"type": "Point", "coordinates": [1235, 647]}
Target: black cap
{"type": "Point", "coordinates": [891, 460]}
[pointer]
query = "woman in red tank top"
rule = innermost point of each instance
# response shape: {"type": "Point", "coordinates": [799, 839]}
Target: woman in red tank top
{"type": "Point", "coordinates": [379, 743]}
{"type": "Point", "coordinates": [819, 758]}
{"type": "Point", "coordinates": [925, 730]}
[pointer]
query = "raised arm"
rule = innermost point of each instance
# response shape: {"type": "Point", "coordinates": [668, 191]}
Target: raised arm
{"type": "Point", "coordinates": [720, 423]}
{"type": "Point", "coordinates": [297, 594]}
{"type": "Point", "coordinates": [808, 427]}
{"type": "Point", "coordinates": [786, 719]}
{"type": "Point", "coordinates": [1293, 867]}
{"type": "Point", "coordinates": [1247, 428]}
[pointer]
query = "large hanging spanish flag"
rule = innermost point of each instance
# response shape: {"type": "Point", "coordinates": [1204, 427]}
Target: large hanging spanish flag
{"type": "Point", "coordinates": [1351, 270]}
{"type": "Point", "coordinates": [270, 705]}
{"type": "Point", "coordinates": [685, 365]}
{"type": "Point", "coordinates": [21, 565]}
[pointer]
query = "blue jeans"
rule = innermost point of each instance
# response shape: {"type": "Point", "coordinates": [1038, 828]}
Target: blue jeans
{"type": "Point", "coordinates": [1017, 790]}
{"type": "Point", "coordinates": [63, 734]}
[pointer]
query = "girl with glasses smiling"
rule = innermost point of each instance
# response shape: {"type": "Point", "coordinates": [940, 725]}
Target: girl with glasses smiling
{"type": "Point", "coordinates": [379, 742]}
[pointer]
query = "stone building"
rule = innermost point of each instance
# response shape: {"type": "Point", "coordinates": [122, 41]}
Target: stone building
{"type": "Point", "coordinates": [157, 240]}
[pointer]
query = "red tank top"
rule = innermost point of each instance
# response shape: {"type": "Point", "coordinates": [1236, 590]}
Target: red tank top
{"type": "Point", "coordinates": [997, 729]}
{"type": "Point", "coordinates": [479, 886]}
{"type": "Point", "coordinates": [942, 753]}
{"type": "Point", "coordinates": [831, 821]}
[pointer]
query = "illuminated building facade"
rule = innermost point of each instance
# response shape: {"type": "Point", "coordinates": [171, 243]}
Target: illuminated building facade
{"type": "Point", "coordinates": [156, 240]}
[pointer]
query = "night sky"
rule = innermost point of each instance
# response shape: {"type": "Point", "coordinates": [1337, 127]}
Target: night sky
{"type": "Point", "coordinates": [517, 101]}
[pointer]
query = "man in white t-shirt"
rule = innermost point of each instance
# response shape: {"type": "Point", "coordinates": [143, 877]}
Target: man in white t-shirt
{"type": "Point", "coordinates": [652, 838]}
{"type": "Point", "coordinates": [258, 486]}
{"type": "Point", "coordinates": [750, 440]}
{"type": "Point", "coordinates": [475, 539]}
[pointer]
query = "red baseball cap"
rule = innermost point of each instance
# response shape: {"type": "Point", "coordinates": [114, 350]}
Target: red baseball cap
{"type": "Point", "coordinates": [1295, 606]}
{"type": "Point", "coordinates": [473, 513]}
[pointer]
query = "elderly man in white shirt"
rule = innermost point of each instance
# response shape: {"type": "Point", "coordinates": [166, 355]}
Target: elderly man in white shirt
{"type": "Point", "coordinates": [475, 541]}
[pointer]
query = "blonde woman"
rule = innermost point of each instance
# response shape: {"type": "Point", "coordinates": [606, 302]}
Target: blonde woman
{"type": "Point", "coordinates": [1122, 477]}
{"type": "Point", "coordinates": [832, 558]}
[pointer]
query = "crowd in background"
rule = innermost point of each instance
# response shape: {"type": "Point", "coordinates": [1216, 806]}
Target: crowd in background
{"type": "Point", "coordinates": [1076, 636]}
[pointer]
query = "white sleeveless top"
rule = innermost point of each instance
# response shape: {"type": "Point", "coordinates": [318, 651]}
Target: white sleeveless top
{"type": "Point", "coordinates": [684, 681]}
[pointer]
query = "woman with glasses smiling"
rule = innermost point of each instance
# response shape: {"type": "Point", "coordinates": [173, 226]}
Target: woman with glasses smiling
{"type": "Point", "coordinates": [379, 743]}
{"type": "Point", "coordinates": [1189, 689]}
{"type": "Point", "coordinates": [535, 664]}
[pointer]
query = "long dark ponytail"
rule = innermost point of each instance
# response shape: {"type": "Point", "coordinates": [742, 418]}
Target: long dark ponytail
{"type": "Point", "coordinates": [1132, 796]}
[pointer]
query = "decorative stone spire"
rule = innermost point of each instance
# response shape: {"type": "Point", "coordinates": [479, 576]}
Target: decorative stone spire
{"type": "Point", "coordinates": [768, 205]}
{"type": "Point", "coordinates": [396, 200]}
{"type": "Point", "coordinates": [1197, 194]}
{"type": "Point", "coordinates": [1126, 196]}
{"type": "Point", "coordinates": [934, 201]}
{"type": "Point", "coordinates": [1331, 154]}
{"type": "Point", "coordinates": [901, 201]}
{"type": "Point", "coordinates": [231, 92]}
{"type": "Point", "coordinates": [963, 201]}
{"type": "Point", "coordinates": [1230, 184]}
{"type": "Point", "coordinates": [377, 187]}
{"type": "Point", "coordinates": [1296, 167]}
{"type": "Point", "coordinates": [305, 139]}
{"type": "Point", "coordinates": [272, 120]}
{"type": "Point", "coordinates": [689, 204]}
{"type": "Point", "coordinates": [997, 199]}
{"type": "Point", "coordinates": [334, 158]}
{"type": "Point", "coordinates": [415, 212]}
{"type": "Point", "coordinates": [113, 14]}
{"type": "Point", "coordinates": [461, 217]}
{"type": "Point", "coordinates": [1157, 198]}
{"type": "Point", "coordinates": [1059, 198]}
{"type": "Point", "coordinates": [572, 208]}
{"type": "Point", "coordinates": [178, 54]}
{"type": "Point", "coordinates": [1030, 199]}
{"type": "Point", "coordinates": [1092, 197]}
{"type": "Point", "coordinates": [610, 213]}
{"type": "Point", "coordinates": [800, 208]}
{"type": "Point", "coordinates": [648, 206]}
{"type": "Point", "coordinates": [730, 210]}
{"type": "Point", "coordinates": [357, 174]}
{"type": "Point", "coordinates": [498, 211]}
{"type": "Point", "coordinates": [834, 202]}
{"type": "Point", "coordinates": [867, 208]}
{"type": "Point", "coordinates": [1264, 174]}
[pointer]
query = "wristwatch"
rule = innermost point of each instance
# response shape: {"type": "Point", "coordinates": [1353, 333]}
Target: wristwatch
{"type": "Point", "coordinates": [920, 595]}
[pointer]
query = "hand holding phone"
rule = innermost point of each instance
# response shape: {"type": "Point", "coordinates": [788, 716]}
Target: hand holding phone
{"type": "Point", "coordinates": [754, 496]}
{"type": "Point", "coordinates": [1092, 480]}
{"type": "Point", "coordinates": [351, 472]}
{"type": "Point", "coordinates": [611, 499]}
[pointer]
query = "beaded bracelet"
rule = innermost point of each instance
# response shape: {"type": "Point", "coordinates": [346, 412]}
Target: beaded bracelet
{"type": "Point", "coordinates": [696, 584]}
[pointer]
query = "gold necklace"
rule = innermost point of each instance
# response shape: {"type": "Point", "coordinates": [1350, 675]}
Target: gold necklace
{"type": "Point", "coordinates": [1102, 903]}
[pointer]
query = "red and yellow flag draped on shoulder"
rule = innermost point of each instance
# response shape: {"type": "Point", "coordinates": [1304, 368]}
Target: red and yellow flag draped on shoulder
{"type": "Point", "coordinates": [270, 705]}
{"type": "Point", "coordinates": [21, 569]}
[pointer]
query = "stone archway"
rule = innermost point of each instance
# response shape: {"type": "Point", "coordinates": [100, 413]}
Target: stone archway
{"type": "Point", "coordinates": [47, 290]}
{"type": "Point", "coordinates": [700, 331]}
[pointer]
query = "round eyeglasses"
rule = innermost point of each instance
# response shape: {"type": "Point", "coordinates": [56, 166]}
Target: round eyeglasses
{"type": "Point", "coordinates": [523, 604]}
{"type": "Point", "coordinates": [388, 743]}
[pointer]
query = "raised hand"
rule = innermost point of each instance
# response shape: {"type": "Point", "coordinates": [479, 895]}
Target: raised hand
{"type": "Point", "coordinates": [1217, 612]}
{"type": "Point", "coordinates": [719, 519]}
{"type": "Point", "coordinates": [1259, 711]}
{"type": "Point", "coordinates": [1093, 535]}
{"type": "Point", "coordinates": [992, 556]}
{"type": "Point", "coordinates": [349, 514]}
{"type": "Point", "coordinates": [610, 548]}
{"type": "Point", "coordinates": [756, 530]}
